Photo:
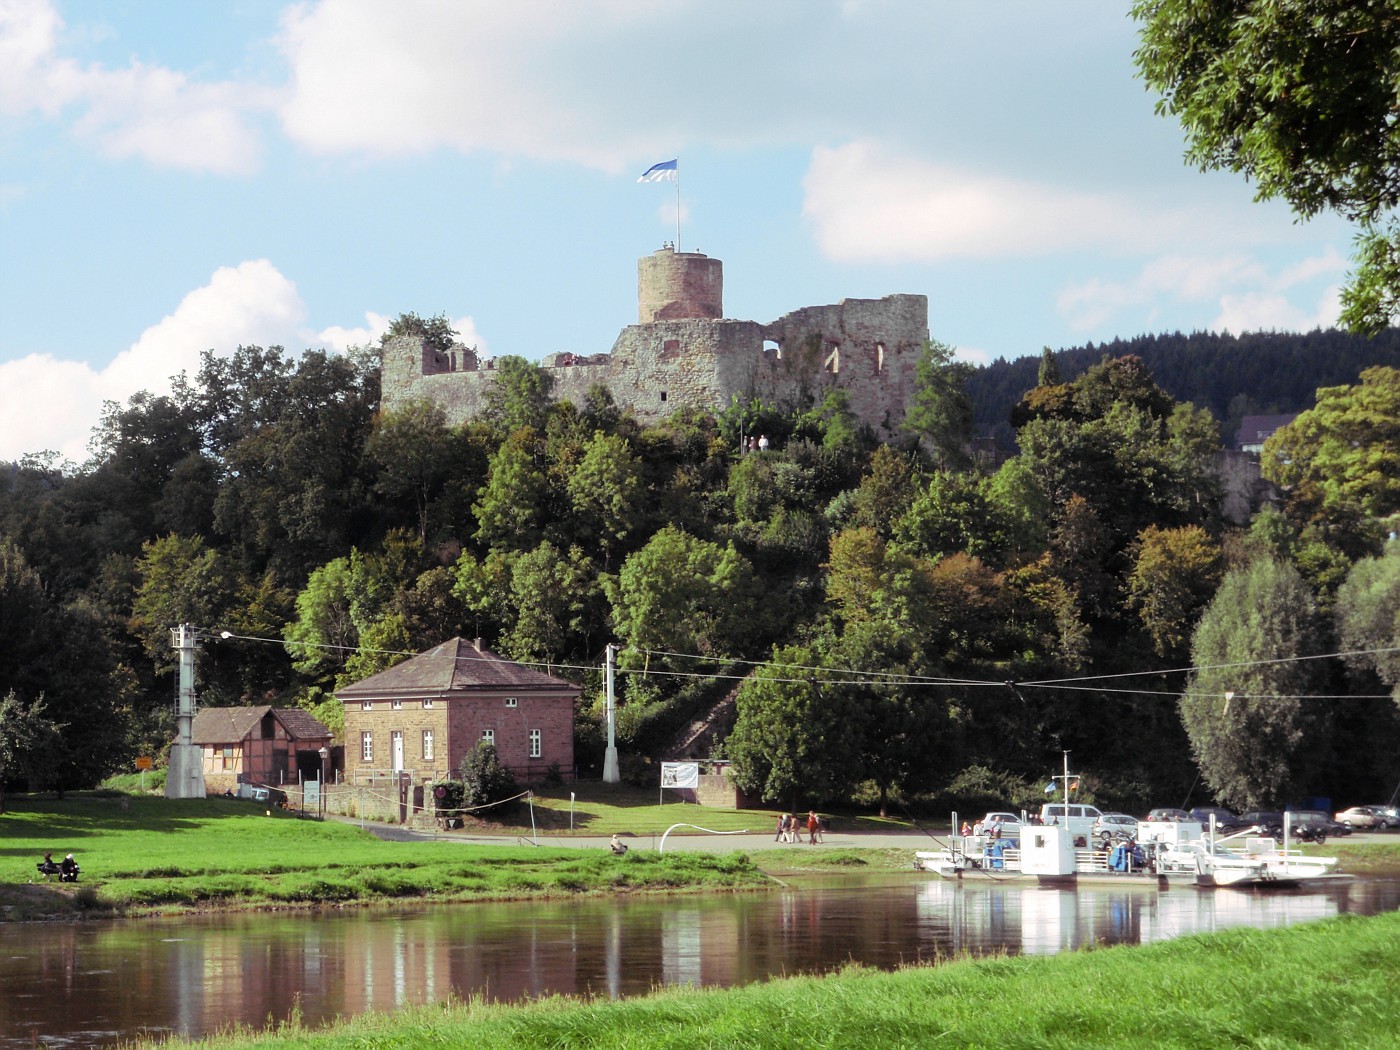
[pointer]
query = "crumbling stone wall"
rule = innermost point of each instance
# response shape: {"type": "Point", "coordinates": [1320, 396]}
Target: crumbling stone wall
{"type": "Point", "coordinates": [691, 356]}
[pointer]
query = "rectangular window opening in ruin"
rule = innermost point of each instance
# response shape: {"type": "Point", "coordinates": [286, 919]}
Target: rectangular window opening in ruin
{"type": "Point", "coordinates": [833, 360]}
{"type": "Point", "coordinates": [879, 357]}
{"type": "Point", "coordinates": [663, 395]}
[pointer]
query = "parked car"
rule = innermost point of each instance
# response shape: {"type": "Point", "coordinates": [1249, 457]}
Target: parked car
{"type": "Point", "coordinates": [1362, 817]}
{"type": "Point", "coordinates": [1112, 826]}
{"type": "Point", "coordinates": [1168, 813]}
{"type": "Point", "coordinates": [1079, 818]}
{"type": "Point", "coordinates": [1390, 813]}
{"type": "Point", "coordinates": [1010, 824]}
{"type": "Point", "coordinates": [1314, 822]}
{"type": "Point", "coordinates": [1226, 821]}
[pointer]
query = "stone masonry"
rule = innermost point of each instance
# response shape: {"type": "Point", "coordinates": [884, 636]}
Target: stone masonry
{"type": "Point", "coordinates": [683, 352]}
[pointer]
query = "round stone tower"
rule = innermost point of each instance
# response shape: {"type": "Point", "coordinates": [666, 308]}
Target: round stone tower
{"type": "Point", "coordinates": [674, 285]}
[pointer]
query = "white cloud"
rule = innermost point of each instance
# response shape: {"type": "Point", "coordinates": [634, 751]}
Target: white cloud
{"type": "Point", "coordinates": [868, 202]}
{"type": "Point", "coordinates": [369, 77]}
{"type": "Point", "coordinates": [1247, 294]}
{"type": "Point", "coordinates": [973, 355]}
{"type": "Point", "coordinates": [1272, 311]}
{"type": "Point", "coordinates": [340, 338]}
{"type": "Point", "coordinates": [251, 303]}
{"type": "Point", "coordinates": [148, 112]}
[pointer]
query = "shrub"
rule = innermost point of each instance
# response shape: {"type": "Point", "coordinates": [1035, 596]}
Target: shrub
{"type": "Point", "coordinates": [484, 779]}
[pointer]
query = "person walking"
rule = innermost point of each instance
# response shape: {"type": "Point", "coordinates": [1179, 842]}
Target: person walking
{"type": "Point", "coordinates": [812, 827]}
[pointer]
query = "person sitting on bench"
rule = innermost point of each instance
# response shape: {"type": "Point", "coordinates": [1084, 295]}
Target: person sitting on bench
{"type": "Point", "coordinates": [46, 866]}
{"type": "Point", "coordinates": [68, 869]}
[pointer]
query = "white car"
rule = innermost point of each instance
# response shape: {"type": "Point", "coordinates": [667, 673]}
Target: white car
{"type": "Point", "coordinates": [1010, 824]}
{"type": "Point", "coordinates": [1361, 817]}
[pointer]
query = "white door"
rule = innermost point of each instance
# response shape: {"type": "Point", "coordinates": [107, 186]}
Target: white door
{"type": "Point", "coordinates": [398, 750]}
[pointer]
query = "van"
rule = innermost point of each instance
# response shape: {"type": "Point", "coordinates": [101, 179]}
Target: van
{"type": "Point", "coordinates": [1080, 818]}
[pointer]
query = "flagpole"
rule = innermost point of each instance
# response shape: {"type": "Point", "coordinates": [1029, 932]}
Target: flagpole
{"type": "Point", "coordinates": [678, 205]}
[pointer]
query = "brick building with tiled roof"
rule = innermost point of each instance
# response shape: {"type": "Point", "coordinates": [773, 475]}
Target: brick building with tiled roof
{"type": "Point", "coordinates": [258, 745]}
{"type": "Point", "coordinates": [423, 716]}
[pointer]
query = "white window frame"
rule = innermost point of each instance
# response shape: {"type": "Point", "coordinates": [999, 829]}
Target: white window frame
{"type": "Point", "coordinates": [427, 745]}
{"type": "Point", "coordinates": [397, 705]}
{"type": "Point", "coordinates": [366, 746]}
{"type": "Point", "coordinates": [427, 702]}
{"type": "Point", "coordinates": [488, 736]}
{"type": "Point", "coordinates": [512, 701]}
{"type": "Point", "coordinates": [366, 705]}
{"type": "Point", "coordinates": [536, 743]}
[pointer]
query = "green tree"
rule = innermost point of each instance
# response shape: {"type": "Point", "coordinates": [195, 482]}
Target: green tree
{"type": "Point", "coordinates": [939, 411]}
{"type": "Point", "coordinates": [1255, 733]}
{"type": "Point", "coordinates": [407, 452]}
{"type": "Point", "coordinates": [436, 331]}
{"type": "Point", "coordinates": [515, 504]}
{"type": "Point", "coordinates": [1299, 97]}
{"type": "Point", "coordinates": [886, 491]}
{"type": "Point", "coordinates": [555, 604]}
{"type": "Point", "coordinates": [1368, 616]}
{"type": "Point", "coordinates": [182, 580]}
{"type": "Point", "coordinates": [27, 742]}
{"type": "Point", "coordinates": [519, 396]}
{"type": "Point", "coordinates": [1341, 458]}
{"type": "Point", "coordinates": [1174, 575]}
{"type": "Point", "coordinates": [797, 734]}
{"type": "Point", "coordinates": [606, 490]}
{"type": "Point", "coordinates": [323, 632]}
{"type": "Point", "coordinates": [1049, 372]}
{"type": "Point", "coordinates": [683, 594]}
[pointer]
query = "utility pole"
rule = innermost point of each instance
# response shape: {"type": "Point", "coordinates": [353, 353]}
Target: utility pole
{"type": "Point", "coordinates": [610, 774]}
{"type": "Point", "coordinates": [184, 777]}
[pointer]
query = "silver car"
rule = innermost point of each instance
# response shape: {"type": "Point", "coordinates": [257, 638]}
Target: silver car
{"type": "Point", "coordinates": [1112, 826]}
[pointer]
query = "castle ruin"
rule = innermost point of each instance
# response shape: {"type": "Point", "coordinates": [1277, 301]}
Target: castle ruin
{"type": "Point", "coordinates": [683, 352]}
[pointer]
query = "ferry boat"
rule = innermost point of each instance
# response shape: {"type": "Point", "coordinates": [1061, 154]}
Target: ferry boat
{"type": "Point", "coordinates": [1163, 854]}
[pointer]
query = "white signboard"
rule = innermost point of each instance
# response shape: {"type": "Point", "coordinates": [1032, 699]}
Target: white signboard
{"type": "Point", "coordinates": [680, 774]}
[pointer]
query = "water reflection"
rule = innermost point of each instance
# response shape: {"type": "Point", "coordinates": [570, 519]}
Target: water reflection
{"type": "Point", "coordinates": [96, 983]}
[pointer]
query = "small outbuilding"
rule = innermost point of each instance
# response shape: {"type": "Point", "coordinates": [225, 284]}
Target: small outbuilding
{"type": "Point", "coordinates": [262, 745]}
{"type": "Point", "coordinates": [423, 716]}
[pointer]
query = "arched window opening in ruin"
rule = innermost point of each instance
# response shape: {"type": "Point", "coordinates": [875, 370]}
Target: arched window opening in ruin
{"type": "Point", "coordinates": [879, 357]}
{"type": "Point", "coordinates": [833, 360]}
{"type": "Point", "coordinates": [773, 346]}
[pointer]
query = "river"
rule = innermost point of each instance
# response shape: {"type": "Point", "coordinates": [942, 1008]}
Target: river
{"type": "Point", "coordinates": [93, 984]}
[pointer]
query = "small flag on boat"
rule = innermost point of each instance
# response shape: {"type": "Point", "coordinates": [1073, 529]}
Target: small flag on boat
{"type": "Point", "coordinates": [666, 171]}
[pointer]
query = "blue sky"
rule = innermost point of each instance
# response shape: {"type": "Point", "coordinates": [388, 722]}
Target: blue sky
{"type": "Point", "coordinates": [185, 176]}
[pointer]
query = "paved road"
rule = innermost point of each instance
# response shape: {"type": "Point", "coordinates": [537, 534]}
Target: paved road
{"type": "Point", "coordinates": [680, 839]}
{"type": "Point", "coordinates": [688, 839]}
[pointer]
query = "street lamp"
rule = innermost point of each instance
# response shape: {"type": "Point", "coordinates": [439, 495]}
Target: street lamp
{"type": "Point", "coordinates": [325, 754]}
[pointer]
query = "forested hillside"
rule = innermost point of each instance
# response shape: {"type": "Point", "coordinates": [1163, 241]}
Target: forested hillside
{"type": "Point", "coordinates": [1258, 373]}
{"type": "Point", "coordinates": [908, 626]}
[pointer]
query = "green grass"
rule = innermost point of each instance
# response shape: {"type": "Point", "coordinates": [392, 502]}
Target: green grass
{"type": "Point", "coordinates": [607, 809]}
{"type": "Point", "coordinates": [153, 854]}
{"type": "Point", "coordinates": [1323, 984]}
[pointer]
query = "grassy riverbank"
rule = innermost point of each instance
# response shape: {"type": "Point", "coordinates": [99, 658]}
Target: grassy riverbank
{"type": "Point", "coordinates": [1323, 984]}
{"type": "Point", "coordinates": [142, 854]}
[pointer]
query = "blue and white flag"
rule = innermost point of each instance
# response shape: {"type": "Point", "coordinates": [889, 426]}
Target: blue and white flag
{"type": "Point", "coordinates": [1050, 788]}
{"type": "Point", "coordinates": [666, 171]}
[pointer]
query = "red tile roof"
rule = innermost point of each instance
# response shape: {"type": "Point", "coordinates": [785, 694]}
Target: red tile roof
{"type": "Point", "coordinates": [225, 725]}
{"type": "Point", "coordinates": [456, 666]}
